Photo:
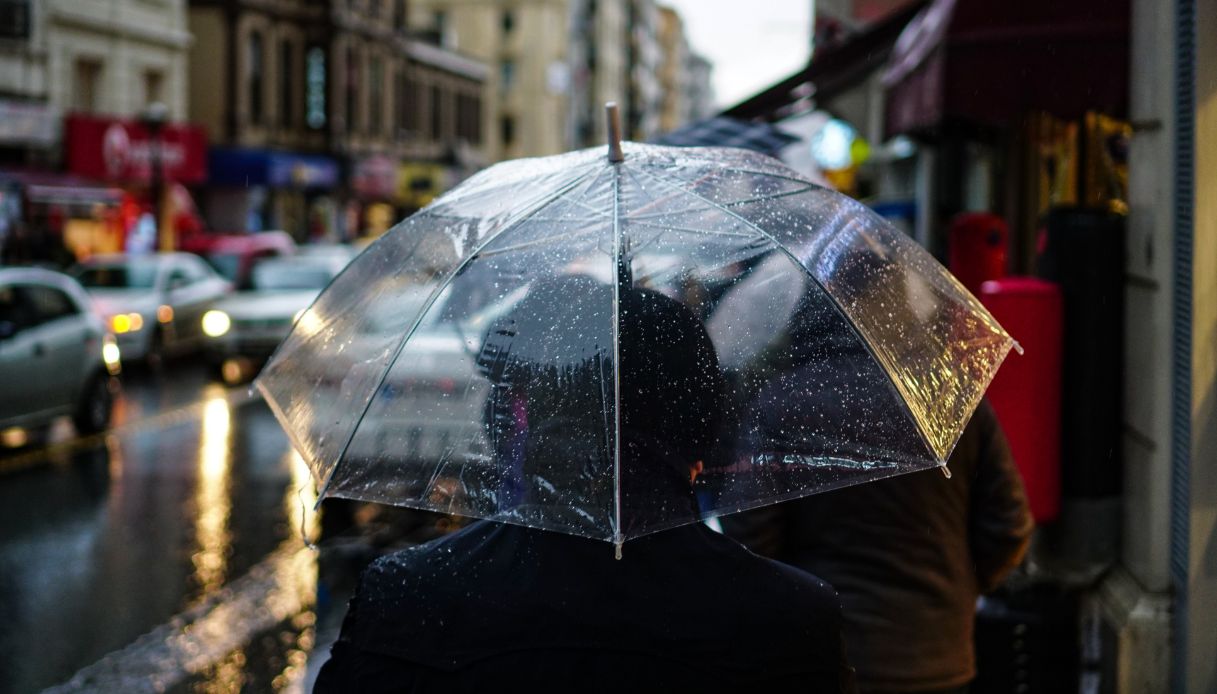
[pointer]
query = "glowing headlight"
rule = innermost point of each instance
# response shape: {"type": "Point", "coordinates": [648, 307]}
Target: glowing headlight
{"type": "Point", "coordinates": [216, 323]}
{"type": "Point", "coordinates": [110, 355]}
{"type": "Point", "coordinates": [126, 323]}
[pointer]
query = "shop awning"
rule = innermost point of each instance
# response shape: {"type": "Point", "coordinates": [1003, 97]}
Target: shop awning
{"type": "Point", "coordinates": [832, 70]}
{"type": "Point", "coordinates": [986, 63]}
{"type": "Point", "coordinates": [239, 167]}
{"type": "Point", "coordinates": [49, 187]}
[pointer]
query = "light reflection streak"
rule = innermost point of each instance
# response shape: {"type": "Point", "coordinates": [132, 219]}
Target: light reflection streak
{"type": "Point", "coordinates": [212, 502]}
{"type": "Point", "coordinates": [301, 500]}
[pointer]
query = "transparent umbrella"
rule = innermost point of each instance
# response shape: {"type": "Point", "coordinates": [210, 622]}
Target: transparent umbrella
{"type": "Point", "coordinates": [479, 358]}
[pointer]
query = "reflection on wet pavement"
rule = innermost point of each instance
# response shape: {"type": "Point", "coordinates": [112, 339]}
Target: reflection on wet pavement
{"type": "Point", "coordinates": [166, 555]}
{"type": "Point", "coordinates": [212, 502]}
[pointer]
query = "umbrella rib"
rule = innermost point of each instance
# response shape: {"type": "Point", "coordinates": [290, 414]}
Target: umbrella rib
{"type": "Point", "coordinates": [617, 536]}
{"type": "Point", "coordinates": [557, 194]}
{"type": "Point", "coordinates": [925, 439]}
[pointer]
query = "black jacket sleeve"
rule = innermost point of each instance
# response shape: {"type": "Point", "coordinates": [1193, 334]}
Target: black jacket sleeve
{"type": "Point", "coordinates": [1000, 523]}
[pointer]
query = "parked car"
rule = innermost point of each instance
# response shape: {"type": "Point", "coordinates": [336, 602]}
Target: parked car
{"type": "Point", "coordinates": [153, 303]}
{"type": "Point", "coordinates": [234, 256]}
{"type": "Point", "coordinates": [249, 325]}
{"type": "Point", "coordinates": [56, 356]}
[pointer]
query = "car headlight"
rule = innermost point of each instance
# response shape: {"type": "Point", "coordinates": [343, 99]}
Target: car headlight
{"type": "Point", "coordinates": [126, 322]}
{"type": "Point", "coordinates": [216, 323]}
{"type": "Point", "coordinates": [110, 355]}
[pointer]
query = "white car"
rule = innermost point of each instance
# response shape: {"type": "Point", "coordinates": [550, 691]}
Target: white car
{"type": "Point", "coordinates": [56, 356]}
{"type": "Point", "coordinates": [153, 303]}
{"type": "Point", "coordinates": [434, 397]}
{"type": "Point", "coordinates": [251, 324]}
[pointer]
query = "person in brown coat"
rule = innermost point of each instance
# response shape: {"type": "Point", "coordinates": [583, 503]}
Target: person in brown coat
{"type": "Point", "coordinates": [908, 555]}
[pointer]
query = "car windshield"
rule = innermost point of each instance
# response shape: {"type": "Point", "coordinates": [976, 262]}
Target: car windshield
{"type": "Point", "coordinates": [291, 276]}
{"type": "Point", "coordinates": [227, 264]}
{"type": "Point", "coordinates": [134, 274]}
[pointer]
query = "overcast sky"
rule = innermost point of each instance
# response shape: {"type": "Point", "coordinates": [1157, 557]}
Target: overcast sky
{"type": "Point", "coordinates": [752, 43]}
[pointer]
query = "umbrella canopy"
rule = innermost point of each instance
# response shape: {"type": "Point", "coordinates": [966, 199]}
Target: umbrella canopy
{"type": "Point", "coordinates": [557, 341]}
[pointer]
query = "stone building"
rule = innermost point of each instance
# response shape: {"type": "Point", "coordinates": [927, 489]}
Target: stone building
{"type": "Point", "coordinates": [103, 57]}
{"type": "Point", "coordinates": [554, 64]}
{"type": "Point", "coordinates": [328, 119]}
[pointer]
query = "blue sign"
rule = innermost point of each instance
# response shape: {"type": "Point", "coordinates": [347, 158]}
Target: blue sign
{"type": "Point", "coordinates": [263, 167]}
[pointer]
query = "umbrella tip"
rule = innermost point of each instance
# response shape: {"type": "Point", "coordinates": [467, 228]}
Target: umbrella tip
{"type": "Point", "coordinates": [613, 115]}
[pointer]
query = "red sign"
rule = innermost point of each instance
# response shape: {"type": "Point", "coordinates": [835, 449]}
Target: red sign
{"type": "Point", "coordinates": [122, 150]}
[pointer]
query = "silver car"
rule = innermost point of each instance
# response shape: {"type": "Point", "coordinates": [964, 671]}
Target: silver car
{"type": "Point", "coordinates": [249, 325]}
{"type": "Point", "coordinates": [56, 356]}
{"type": "Point", "coordinates": [153, 303]}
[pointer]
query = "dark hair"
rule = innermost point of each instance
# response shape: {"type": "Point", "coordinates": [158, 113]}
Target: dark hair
{"type": "Point", "coordinates": [551, 366]}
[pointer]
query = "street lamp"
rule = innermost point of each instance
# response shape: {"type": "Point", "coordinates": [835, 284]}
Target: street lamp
{"type": "Point", "coordinates": [154, 118]}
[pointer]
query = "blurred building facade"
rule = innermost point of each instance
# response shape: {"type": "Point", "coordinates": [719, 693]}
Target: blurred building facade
{"type": "Point", "coordinates": [104, 57]}
{"type": "Point", "coordinates": [554, 64]}
{"type": "Point", "coordinates": [93, 100]}
{"type": "Point", "coordinates": [685, 93]}
{"type": "Point", "coordinates": [328, 119]}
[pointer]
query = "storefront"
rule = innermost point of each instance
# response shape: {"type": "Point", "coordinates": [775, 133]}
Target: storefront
{"type": "Point", "coordinates": [253, 190]}
{"type": "Point", "coordinates": [374, 186]}
{"type": "Point", "coordinates": [124, 154]}
{"type": "Point", "coordinates": [420, 182]}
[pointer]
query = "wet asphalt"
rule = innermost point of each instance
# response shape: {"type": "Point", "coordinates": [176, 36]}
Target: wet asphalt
{"type": "Point", "coordinates": [165, 555]}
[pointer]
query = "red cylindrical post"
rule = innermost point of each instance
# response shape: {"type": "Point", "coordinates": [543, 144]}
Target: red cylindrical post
{"type": "Point", "coordinates": [977, 248]}
{"type": "Point", "coordinates": [1026, 393]}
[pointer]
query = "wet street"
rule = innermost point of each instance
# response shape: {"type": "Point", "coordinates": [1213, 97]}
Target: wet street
{"type": "Point", "coordinates": [165, 555]}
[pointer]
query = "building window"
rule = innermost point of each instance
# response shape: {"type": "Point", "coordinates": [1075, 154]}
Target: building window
{"type": "Point", "coordinates": [439, 20]}
{"type": "Point", "coordinates": [410, 114]}
{"type": "Point", "coordinates": [15, 19]}
{"type": "Point", "coordinates": [399, 15]}
{"type": "Point", "coordinates": [154, 81]}
{"type": "Point", "coordinates": [509, 22]}
{"type": "Point", "coordinates": [352, 88]}
{"type": "Point", "coordinates": [400, 101]}
{"type": "Point", "coordinates": [256, 77]}
{"type": "Point", "coordinates": [507, 131]}
{"type": "Point", "coordinates": [287, 76]}
{"type": "Point", "coordinates": [507, 75]}
{"type": "Point", "coordinates": [314, 85]}
{"type": "Point", "coordinates": [375, 92]}
{"type": "Point", "coordinates": [437, 113]}
{"type": "Point", "coordinates": [469, 118]}
{"type": "Point", "coordinates": [87, 85]}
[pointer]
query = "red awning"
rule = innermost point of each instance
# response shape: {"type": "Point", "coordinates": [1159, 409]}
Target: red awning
{"type": "Point", "coordinates": [989, 63]}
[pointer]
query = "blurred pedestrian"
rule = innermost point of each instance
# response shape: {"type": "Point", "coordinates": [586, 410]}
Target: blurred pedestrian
{"type": "Point", "coordinates": [513, 608]}
{"type": "Point", "coordinates": [909, 556]}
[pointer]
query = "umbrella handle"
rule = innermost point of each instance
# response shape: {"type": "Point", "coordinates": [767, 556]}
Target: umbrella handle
{"type": "Point", "coordinates": [613, 114]}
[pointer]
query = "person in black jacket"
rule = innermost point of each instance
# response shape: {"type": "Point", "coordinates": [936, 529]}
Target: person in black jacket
{"type": "Point", "coordinates": [909, 556]}
{"type": "Point", "coordinates": [511, 608]}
